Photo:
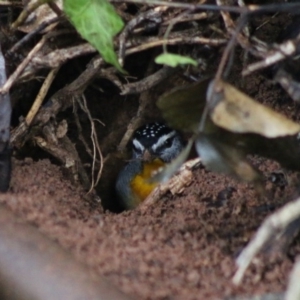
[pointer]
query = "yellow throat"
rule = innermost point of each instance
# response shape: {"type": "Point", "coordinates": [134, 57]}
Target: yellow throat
{"type": "Point", "coordinates": [140, 184]}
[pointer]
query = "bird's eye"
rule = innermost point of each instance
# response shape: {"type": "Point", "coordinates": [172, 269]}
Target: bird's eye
{"type": "Point", "coordinates": [168, 143]}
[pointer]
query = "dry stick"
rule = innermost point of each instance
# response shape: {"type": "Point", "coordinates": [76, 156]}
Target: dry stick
{"type": "Point", "coordinates": [41, 96]}
{"type": "Point", "coordinates": [246, 32]}
{"type": "Point", "coordinates": [170, 27]}
{"type": "Point", "coordinates": [289, 84]}
{"type": "Point", "coordinates": [275, 223]}
{"type": "Point", "coordinates": [188, 18]}
{"type": "Point", "coordinates": [31, 34]}
{"type": "Point", "coordinates": [148, 82]}
{"type": "Point", "coordinates": [153, 14]}
{"type": "Point", "coordinates": [293, 289]}
{"type": "Point", "coordinates": [61, 100]}
{"type": "Point", "coordinates": [64, 151]}
{"type": "Point", "coordinates": [55, 8]}
{"type": "Point", "coordinates": [221, 68]}
{"type": "Point", "coordinates": [73, 89]}
{"type": "Point", "coordinates": [177, 41]}
{"type": "Point", "coordinates": [6, 87]}
{"type": "Point", "coordinates": [176, 184]}
{"type": "Point", "coordinates": [285, 49]}
{"type": "Point", "coordinates": [266, 22]}
{"type": "Point", "coordinates": [230, 26]}
{"type": "Point", "coordinates": [110, 74]}
{"type": "Point", "coordinates": [132, 126]}
{"type": "Point", "coordinates": [144, 100]}
{"type": "Point", "coordinates": [283, 7]}
{"type": "Point", "coordinates": [229, 48]}
{"type": "Point", "coordinates": [259, 49]}
{"type": "Point", "coordinates": [246, 29]}
{"type": "Point", "coordinates": [60, 56]}
{"type": "Point", "coordinates": [32, 6]}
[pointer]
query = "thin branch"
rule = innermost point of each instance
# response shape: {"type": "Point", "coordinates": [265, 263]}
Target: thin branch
{"type": "Point", "coordinates": [32, 6]}
{"type": "Point", "coordinates": [153, 14]}
{"type": "Point", "coordinates": [285, 50]}
{"type": "Point", "coordinates": [273, 225]}
{"type": "Point", "coordinates": [148, 82]}
{"type": "Point", "coordinates": [293, 289]}
{"type": "Point", "coordinates": [6, 87]}
{"type": "Point", "coordinates": [41, 96]}
{"type": "Point", "coordinates": [31, 34]}
{"type": "Point", "coordinates": [249, 9]}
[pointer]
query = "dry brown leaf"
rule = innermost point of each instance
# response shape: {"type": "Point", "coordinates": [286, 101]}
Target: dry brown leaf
{"type": "Point", "coordinates": [237, 112]}
{"type": "Point", "coordinates": [220, 157]}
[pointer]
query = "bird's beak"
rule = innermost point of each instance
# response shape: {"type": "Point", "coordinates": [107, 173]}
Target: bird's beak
{"type": "Point", "coordinates": [147, 156]}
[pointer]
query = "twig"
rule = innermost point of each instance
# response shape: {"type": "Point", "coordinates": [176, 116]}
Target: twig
{"type": "Point", "coordinates": [55, 8]}
{"type": "Point", "coordinates": [64, 150]}
{"type": "Point", "coordinates": [31, 34]}
{"type": "Point", "coordinates": [293, 289]}
{"type": "Point", "coordinates": [41, 96]}
{"type": "Point", "coordinates": [144, 100]}
{"type": "Point", "coordinates": [275, 223]}
{"type": "Point", "coordinates": [148, 82]}
{"type": "Point", "coordinates": [184, 19]}
{"type": "Point", "coordinates": [154, 42]}
{"type": "Point", "coordinates": [221, 68]}
{"type": "Point", "coordinates": [110, 74]}
{"type": "Point", "coordinates": [188, 18]}
{"type": "Point", "coordinates": [170, 27]}
{"type": "Point", "coordinates": [153, 15]}
{"type": "Point", "coordinates": [291, 86]}
{"type": "Point", "coordinates": [175, 185]}
{"type": "Point", "coordinates": [246, 29]}
{"type": "Point", "coordinates": [285, 49]}
{"type": "Point", "coordinates": [61, 100]}
{"type": "Point", "coordinates": [32, 6]}
{"type": "Point", "coordinates": [229, 24]}
{"type": "Point", "coordinates": [6, 87]}
{"type": "Point", "coordinates": [249, 9]}
{"type": "Point", "coordinates": [58, 57]}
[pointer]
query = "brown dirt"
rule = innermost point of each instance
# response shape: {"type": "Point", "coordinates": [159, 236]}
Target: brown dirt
{"type": "Point", "coordinates": [183, 248]}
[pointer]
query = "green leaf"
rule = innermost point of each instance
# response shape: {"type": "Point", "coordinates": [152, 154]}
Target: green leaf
{"type": "Point", "coordinates": [173, 60]}
{"type": "Point", "coordinates": [98, 23]}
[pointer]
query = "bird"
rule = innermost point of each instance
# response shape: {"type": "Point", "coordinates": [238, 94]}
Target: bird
{"type": "Point", "coordinates": [153, 145]}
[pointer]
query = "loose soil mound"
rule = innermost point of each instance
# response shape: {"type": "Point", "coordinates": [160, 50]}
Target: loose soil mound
{"type": "Point", "coordinates": [183, 248]}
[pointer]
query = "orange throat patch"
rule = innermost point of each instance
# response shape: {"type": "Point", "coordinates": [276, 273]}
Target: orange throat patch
{"type": "Point", "coordinates": [140, 184]}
